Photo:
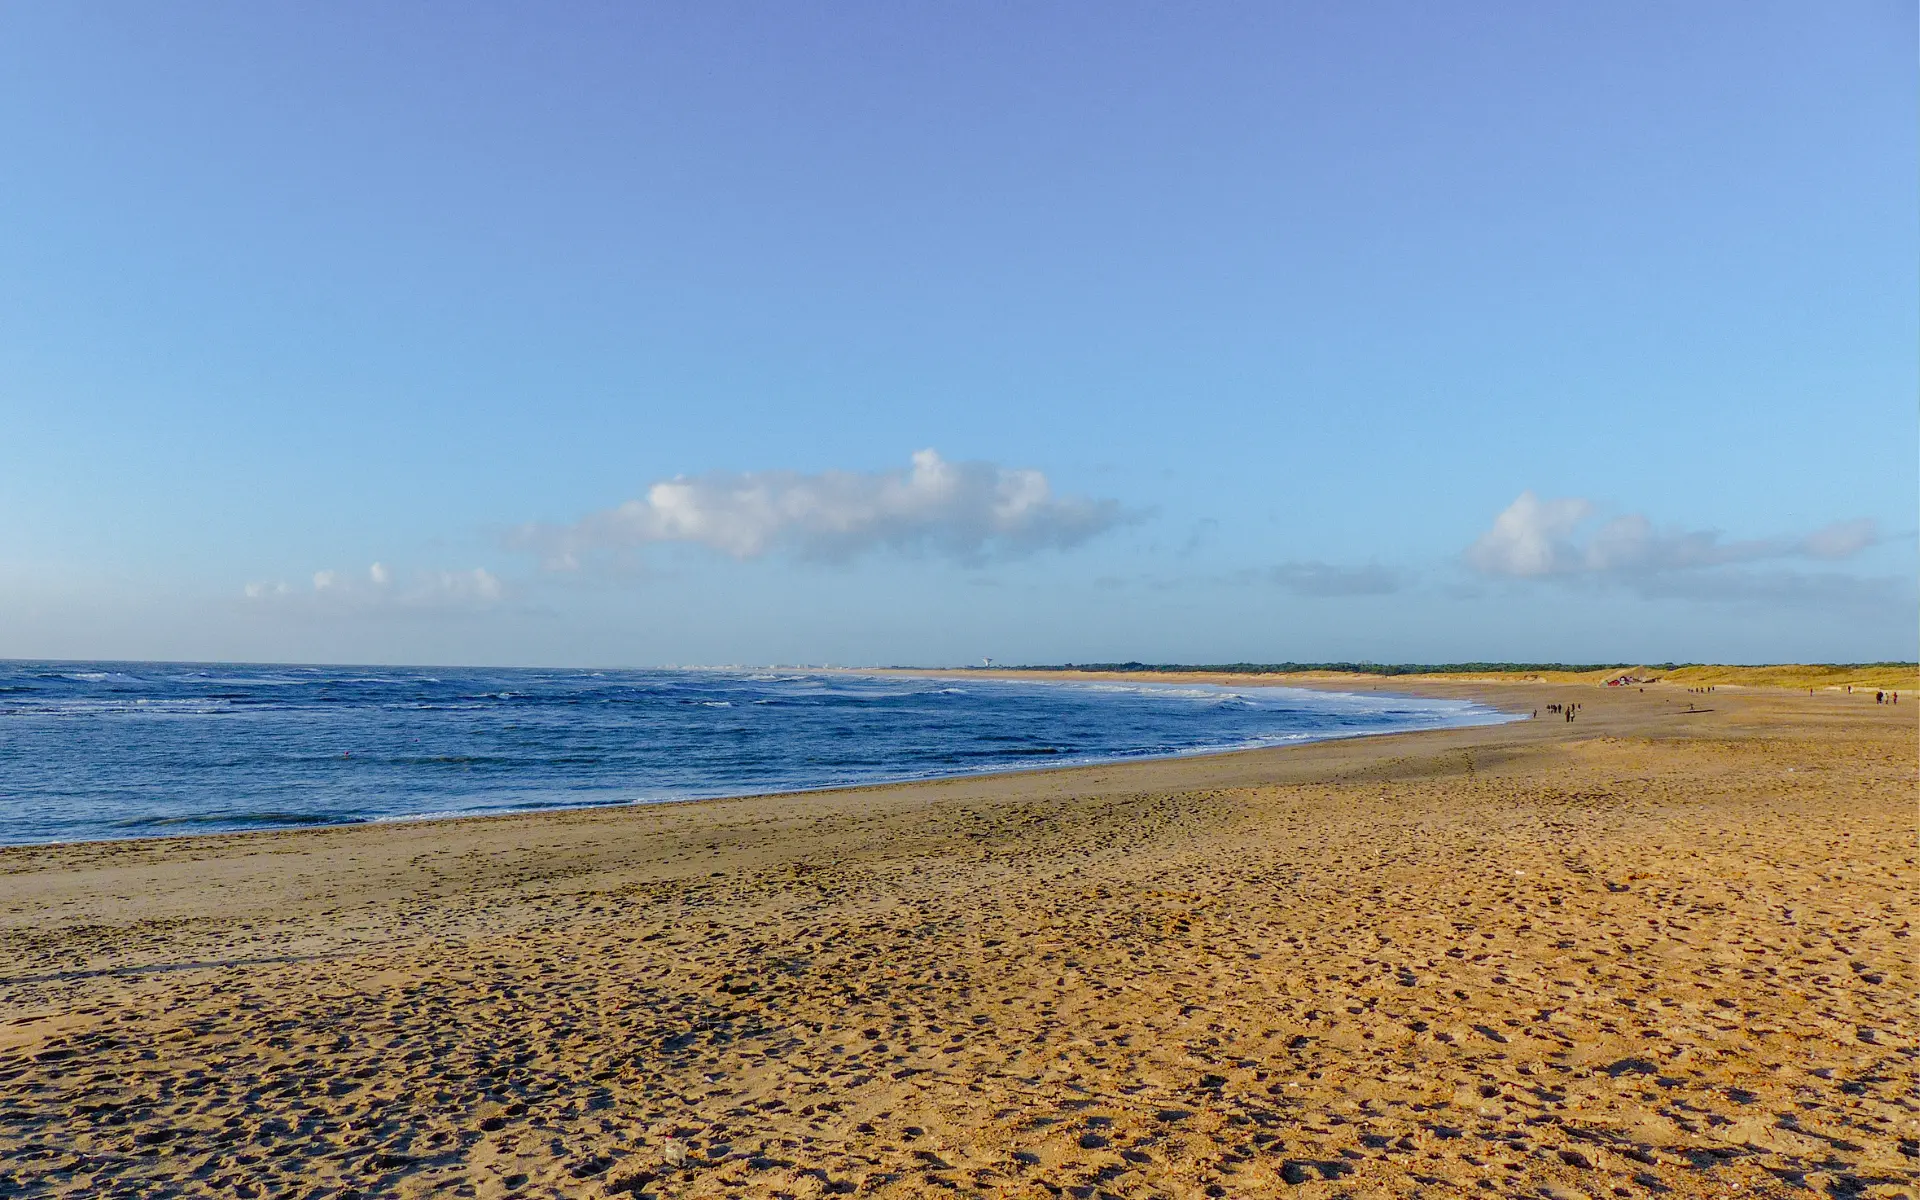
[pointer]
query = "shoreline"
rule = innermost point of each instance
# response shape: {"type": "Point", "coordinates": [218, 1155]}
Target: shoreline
{"type": "Point", "coordinates": [1017, 677]}
{"type": "Point", "coordinates": [1644, 950]}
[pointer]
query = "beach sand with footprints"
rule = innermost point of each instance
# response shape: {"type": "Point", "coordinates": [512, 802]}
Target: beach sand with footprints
{"type": "Point", "coordinates": [1642, 953]}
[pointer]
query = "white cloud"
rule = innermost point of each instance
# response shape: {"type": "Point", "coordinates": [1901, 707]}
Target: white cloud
{"type": "Point", "coordinates": [1530, 538]}
{"type": "Point", "coordinates": [334, 593]}
{"type": "Point", "coordinates": [969, 511]}
{"type": "Point", "coordinates": [1543, 539]}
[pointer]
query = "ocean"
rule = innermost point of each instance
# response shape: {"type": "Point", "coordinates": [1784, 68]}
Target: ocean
{"type": "Point", "coordinates": [94, 751]}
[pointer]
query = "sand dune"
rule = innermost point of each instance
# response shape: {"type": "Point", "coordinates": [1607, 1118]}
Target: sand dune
{"type": "Point", "coordinates": [1647, 953]}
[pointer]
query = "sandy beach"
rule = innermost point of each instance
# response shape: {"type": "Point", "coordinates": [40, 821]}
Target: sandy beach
{"type": "Point", "coordinates": [1645, 953]}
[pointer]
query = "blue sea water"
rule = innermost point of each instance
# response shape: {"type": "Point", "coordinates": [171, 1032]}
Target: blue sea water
{"type": "Point", "coordinates": [117, 750]}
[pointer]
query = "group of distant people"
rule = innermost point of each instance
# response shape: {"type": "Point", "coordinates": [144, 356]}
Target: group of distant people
{"type": "Point", "coordinates": [1880, 697]}
{"type": "Point", "coordinates": [1567, 711]}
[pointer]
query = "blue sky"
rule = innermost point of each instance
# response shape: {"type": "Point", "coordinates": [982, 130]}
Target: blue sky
{"type": "Point", "coordinates": [624, 335]}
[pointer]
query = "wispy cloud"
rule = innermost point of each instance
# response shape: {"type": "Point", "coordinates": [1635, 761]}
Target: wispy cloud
{"type": "Point", "coordinates": [1320, 579]}
{"type": "Point", "coordinates": [969, 511]}
{"type": "Point", "coordinates": [338, 593]}
{"type": "Point", "coordinates": [1535, 538]}
{"type": "Point", "coordinates": [1557, 539]}
{"type": "Point", "coordinates": [1829, 591]}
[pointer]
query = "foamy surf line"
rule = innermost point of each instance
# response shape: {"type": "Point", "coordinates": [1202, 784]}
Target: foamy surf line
{"type": "Point", "coordinates": [1490, 717]}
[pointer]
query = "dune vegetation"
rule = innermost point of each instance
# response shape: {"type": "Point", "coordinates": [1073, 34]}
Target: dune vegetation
{"type": "Point", "coordinates": [1839, 676]}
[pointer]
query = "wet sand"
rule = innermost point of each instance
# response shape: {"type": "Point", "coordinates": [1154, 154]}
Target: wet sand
{"type": "Point", "coordinates": [1647, 953]}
